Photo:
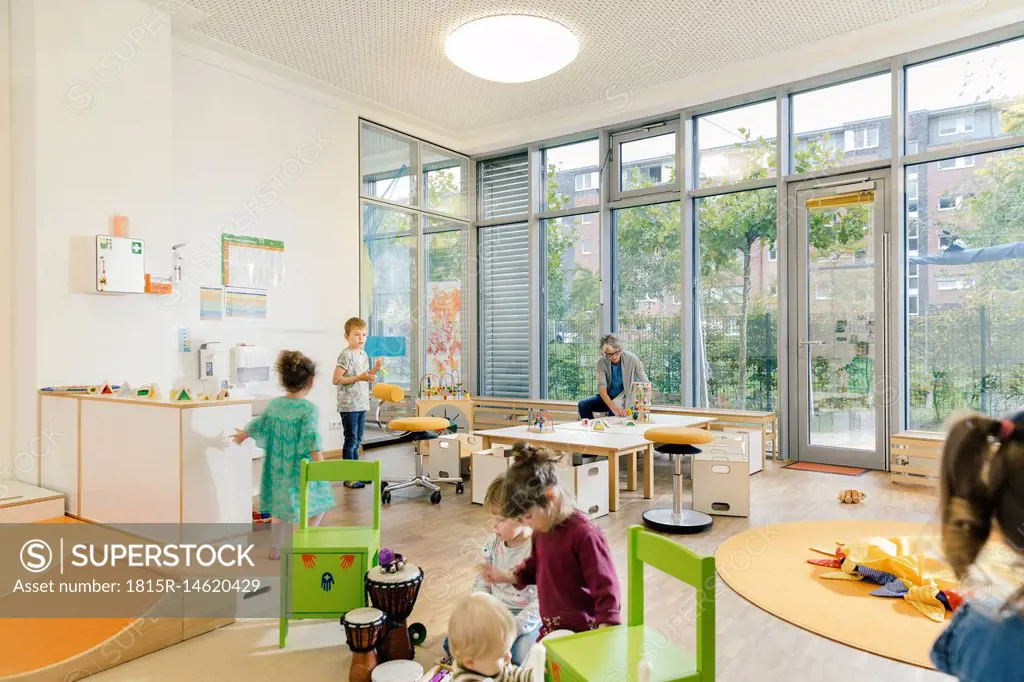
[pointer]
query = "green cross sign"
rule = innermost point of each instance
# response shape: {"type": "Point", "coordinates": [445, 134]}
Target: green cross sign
{"type": "Point", "coordinates": [137, 247]}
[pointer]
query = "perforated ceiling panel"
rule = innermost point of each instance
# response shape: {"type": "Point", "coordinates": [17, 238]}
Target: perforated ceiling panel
{"type": "Point", "coordinates": [392, 51]}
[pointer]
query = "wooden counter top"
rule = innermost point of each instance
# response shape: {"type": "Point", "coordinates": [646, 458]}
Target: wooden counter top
{"type": "Point", "coordinates": [180, 404]}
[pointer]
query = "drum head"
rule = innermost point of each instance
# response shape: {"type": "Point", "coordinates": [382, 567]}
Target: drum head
{"type": "Point", "coordinates": [364, 616]}
{"type": "Point", "coordinates": [397, 671]}
{"type": "Point", "coordinates": [407, 573]}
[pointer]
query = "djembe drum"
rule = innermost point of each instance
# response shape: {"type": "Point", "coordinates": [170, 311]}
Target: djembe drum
{"type": "Point", "coordinates": [394, 592]}
{"type": "Point", "coordinates": [364, 630]}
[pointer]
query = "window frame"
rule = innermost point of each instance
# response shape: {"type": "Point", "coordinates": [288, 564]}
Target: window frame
{"type": "Point", "coordinates": [649, 131]}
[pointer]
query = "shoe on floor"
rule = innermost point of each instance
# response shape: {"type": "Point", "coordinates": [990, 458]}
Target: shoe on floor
{"type": "Point", "coordinates": [354, 484]}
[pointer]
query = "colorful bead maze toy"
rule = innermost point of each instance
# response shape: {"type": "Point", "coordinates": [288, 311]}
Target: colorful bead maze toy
{"type": "Point", "coordinates": [540, 422]}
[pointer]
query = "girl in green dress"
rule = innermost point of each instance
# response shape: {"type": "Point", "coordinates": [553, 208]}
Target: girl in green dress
{"type": "Point", "coordinates": [287, 432]}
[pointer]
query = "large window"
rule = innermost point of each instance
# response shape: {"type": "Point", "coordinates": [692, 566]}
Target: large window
{"type": "Point", "coordinates": [444, 252]}
{"type": "Point", "coordinates": [388, 287]}
{"type": "Point", "coordinates": [973, 96]}
{"type": "Point", "coordinates": [571, 175]}
{"type": "Point", "coordinates": [965, 290]}
{"type": "Point", "coordinates": [407, 185]}
{"type": "Point", "coordinates": [842, 124]}
{"type": "Point", "coordinates": [505, 310]}
{"type": "Point", "coordinates": [647, 285]}
{"type": "Point", "coordinates": [386, 164]}
{"type": "Point", "coordinates": [647, 162]}
{"type": "Point", "coordinates": [572, 301]}
{"type": "Point", "coordinates": [737, 145]}
{"type": "Point", "coordinates": [737, 301]}
{"type": "Point", "coordinates": [444, 186]}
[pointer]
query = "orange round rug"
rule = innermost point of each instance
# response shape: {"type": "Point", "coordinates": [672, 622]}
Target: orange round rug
{"type": "Point", "coordinates": [768, 567]}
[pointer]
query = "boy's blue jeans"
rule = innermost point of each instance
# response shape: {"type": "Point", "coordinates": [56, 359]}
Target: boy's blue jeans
{"type": "Point", "coordinates": [354, 424]}
{"type": "Point", "coordinates": [520, 647]}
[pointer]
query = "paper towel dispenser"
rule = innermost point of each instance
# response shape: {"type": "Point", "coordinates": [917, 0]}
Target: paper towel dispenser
{"type": "Point", "coordinates": [250, 364]}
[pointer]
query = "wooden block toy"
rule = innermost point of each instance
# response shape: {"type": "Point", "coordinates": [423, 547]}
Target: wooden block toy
{"type": "Point", "coordinates": [181, 394]}
{"type": "Point", "coordinates": [599, 425]}
{"type": "Point", "coordinates": [851, 496]}
{"type": "Point", "coordinates": [125, 391]}
{"type": "Point", "coordinates": [105, 389]}
{"type": "Point", "coordinates": [202, 397]}
{"type": "Point", "coordinates": [92, 390]}
{"type": "Point", "coordinates": [223, 394]}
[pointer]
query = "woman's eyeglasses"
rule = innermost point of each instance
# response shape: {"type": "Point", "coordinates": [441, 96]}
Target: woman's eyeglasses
{"type": "Point", "coordinates": [614, 354]}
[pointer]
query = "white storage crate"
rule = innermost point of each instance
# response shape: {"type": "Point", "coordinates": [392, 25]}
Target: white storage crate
{"type": "Point", "coordinates": [444, 457]}
{"type": "Point", "coordinates": [588, 483]}
{"type": "Point", "coordinates": [487, 466]}
{"type": "Point", "coordinates": [721, 483]}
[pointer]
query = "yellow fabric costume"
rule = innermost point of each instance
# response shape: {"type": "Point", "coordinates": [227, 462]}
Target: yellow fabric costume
{"type": "Point", "coordinates": [916, 562]}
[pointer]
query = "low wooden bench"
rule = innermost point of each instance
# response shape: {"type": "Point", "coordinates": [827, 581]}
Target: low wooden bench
{"type": "Point", "coordinates": [915, 458]}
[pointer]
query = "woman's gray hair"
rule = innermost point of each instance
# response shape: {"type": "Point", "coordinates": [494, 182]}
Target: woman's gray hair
{"type": "Point", "coordinates": [611, 341]}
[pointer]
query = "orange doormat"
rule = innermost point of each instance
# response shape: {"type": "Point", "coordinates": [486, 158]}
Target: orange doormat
{"type": "Point", "coordinates": [826, 468]}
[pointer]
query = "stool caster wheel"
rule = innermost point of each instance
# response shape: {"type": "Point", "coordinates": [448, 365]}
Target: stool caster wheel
{"type": "Point", "coordinates": [435, 497]}
{"type": "Point", "coordinates": [459, 488]}
{"type": "Point", "coordinates": [418, 633]}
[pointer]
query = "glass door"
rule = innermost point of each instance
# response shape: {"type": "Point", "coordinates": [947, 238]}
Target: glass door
{"type": "Point", "coordinates": [837, 334]}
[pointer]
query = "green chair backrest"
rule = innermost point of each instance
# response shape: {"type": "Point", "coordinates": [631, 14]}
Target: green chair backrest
{"type": "Point", "coordinates": [337, 470]}
{"type": "Point", "coordinates": [682, 564]}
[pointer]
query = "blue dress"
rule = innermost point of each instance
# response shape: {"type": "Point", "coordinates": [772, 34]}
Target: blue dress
{"type": "Point", "coordinates": [287, 432]}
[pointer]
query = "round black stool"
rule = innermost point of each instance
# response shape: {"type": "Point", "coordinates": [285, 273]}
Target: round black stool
{"type": "Point", "coordinates": [676, 442]}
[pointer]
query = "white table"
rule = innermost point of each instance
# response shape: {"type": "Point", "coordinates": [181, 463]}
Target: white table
{"type": "Point", "coordinates": [615, 442]}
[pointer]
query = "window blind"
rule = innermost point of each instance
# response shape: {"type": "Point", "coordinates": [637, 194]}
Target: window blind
{"type": "Point", "coordinates": [504, 187]}
{"type": "Point", "coordinates": [505, 311]}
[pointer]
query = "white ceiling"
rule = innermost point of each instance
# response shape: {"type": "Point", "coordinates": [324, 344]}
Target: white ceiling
{"type": "Point", "coordinates": [391, 52]}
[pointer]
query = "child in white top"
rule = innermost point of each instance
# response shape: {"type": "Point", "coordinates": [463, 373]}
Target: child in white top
{"type": "Point", "coordinates": [508, 546]}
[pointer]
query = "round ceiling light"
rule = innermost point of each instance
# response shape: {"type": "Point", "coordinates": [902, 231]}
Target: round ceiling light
{"type": "Point", "coordinates": [512, 48]}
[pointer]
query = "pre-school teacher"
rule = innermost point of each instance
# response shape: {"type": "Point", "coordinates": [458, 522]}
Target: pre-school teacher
{"type": "Point", "coordinates": [617, 370]}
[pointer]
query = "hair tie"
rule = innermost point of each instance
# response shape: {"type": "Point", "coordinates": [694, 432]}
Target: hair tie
{"type": "Point", "coordinates": [1006, 429]}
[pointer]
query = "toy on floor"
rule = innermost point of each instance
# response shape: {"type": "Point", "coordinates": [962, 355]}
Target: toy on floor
{"type": "Point", "coordinates": [364, 630]}
{"type": "Point", "coordinates": [852, 496]}
{"type": "Point", "coordinates": [393, 587]}
{"type": "Point", "coordinates": [540, 422]}
{"type": "Point", "coordinates": [903, 567]}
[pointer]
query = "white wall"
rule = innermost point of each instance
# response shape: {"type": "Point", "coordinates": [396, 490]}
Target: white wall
{"type": "Point", "coordinates": [6, 239]}
{"type": "Point", "coordinates": [111, 115]}
{"type": "Point", "coordinates": [254, 159]}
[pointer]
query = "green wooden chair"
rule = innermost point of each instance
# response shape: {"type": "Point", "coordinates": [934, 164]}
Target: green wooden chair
{"type": "Point", "coordinates": [615, 653]}
{"type": "Point", "coordinates": [323, 571]}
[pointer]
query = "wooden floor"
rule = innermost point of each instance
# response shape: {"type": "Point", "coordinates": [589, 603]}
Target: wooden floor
{"type": "Point", "coordinates": [752, 645]}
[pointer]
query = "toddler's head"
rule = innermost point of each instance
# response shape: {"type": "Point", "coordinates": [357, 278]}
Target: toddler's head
{"type": "Point", "coordinates": [533, 492]}
{"type": "Point", "coordinates": [296, 372]}
{"type": "Point", "coordinates": [355, 332]}
{"type": "Point", "coordinates": [507, 529]}
{"type": "Point", "coordinates": [978, 485]}
{"type": "Point", "coordinates": [480, 634]}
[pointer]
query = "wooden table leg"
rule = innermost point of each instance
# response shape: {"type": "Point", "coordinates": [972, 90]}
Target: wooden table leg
{"type": "Point", "coordinates": [631, 471]}
{"type": "Point", "coordinates": [649, 472]}
{"type": "Point", "coordinates": [613, 481]}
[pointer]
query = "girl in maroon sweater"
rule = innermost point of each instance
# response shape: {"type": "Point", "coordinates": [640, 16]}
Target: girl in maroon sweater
{"type": "Point", "coordinates": [570, 564]}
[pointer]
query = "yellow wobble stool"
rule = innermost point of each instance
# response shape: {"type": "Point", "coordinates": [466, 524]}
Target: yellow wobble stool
{"type": "Point", "coordinates": [677, 441]}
